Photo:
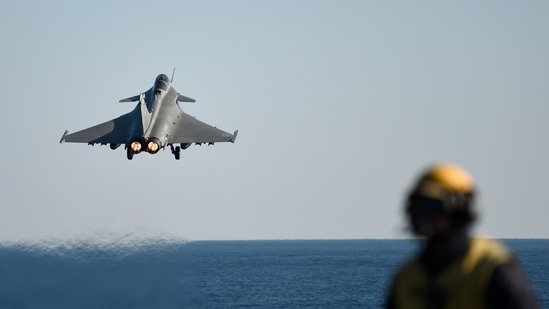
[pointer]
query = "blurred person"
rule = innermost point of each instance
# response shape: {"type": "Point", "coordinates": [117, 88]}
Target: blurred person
{"type": "Point", "coordinates": [453, 269]}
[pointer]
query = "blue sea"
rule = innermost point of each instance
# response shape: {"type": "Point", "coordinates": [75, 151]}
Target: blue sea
{"type": "Point", "coordinates": [218, 274]}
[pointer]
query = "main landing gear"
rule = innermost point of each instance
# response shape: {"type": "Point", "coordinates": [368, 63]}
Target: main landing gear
{"type": "Point", "coordinates": [129, 153]}
{"type": "Point", "coordinates": [176, 151]}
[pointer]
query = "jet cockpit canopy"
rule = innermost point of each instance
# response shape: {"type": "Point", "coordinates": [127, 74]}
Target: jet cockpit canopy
{"type": "Point", "coordinates": [161, 84]}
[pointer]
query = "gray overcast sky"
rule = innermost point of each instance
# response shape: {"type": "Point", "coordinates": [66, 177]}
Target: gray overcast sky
{"type": "Point", "coordinates": [339, 105]}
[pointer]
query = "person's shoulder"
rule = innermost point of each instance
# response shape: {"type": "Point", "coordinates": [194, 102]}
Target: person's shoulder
{"type": "Point", "coordinates": [410, 267]}
{"type": "Point", "coordinates": [489, 248]}
{"type": "Point", "coordinates": [484, 256]}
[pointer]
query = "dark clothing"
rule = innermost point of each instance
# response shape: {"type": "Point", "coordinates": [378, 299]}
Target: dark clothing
{"type": "Point", "coordinates": [509, 288]}
{"type": "Point", "coordinates": [505, 287]}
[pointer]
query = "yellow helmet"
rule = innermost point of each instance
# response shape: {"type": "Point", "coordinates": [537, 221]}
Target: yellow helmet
{"type": "Point", "coordinates": [450, 184]}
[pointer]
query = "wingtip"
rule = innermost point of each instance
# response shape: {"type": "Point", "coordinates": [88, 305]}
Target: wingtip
{"type": "Point", "coordinates": [63, 137]}
{"type": "Point", "coordinates": [234, 136]}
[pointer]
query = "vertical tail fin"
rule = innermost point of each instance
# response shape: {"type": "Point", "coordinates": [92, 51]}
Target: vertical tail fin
{"type": "Point", "coordinates": [173, 73]}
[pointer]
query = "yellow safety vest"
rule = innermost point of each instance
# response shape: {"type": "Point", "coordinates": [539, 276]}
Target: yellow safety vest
{"type": "Point", "coordinates": [461, 285]}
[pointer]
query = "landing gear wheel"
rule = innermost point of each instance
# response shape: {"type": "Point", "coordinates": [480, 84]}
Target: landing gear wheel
{"type": "Point", "coordinates": [129, 154]}
{"type": "Point", "coordinates": [177, 153]}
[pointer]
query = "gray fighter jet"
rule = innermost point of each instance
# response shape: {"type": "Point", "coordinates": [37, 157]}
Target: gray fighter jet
{"type": "Point", "coordinates": [157, 121]}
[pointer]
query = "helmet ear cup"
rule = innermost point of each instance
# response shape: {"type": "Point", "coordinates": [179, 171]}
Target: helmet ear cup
{"type": "Point", "coordinates": [461, 206]}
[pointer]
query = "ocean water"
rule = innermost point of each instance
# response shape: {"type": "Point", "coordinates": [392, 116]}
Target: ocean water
{"type": "Point", "coordinates": [159, 273]}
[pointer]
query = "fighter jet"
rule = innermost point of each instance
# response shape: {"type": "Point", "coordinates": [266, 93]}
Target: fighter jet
{"type": "Point", "coordinates": [156, 121]}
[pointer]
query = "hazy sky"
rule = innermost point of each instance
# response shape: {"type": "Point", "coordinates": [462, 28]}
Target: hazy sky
{"type": "Point", "coordinates": [339, 104]}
